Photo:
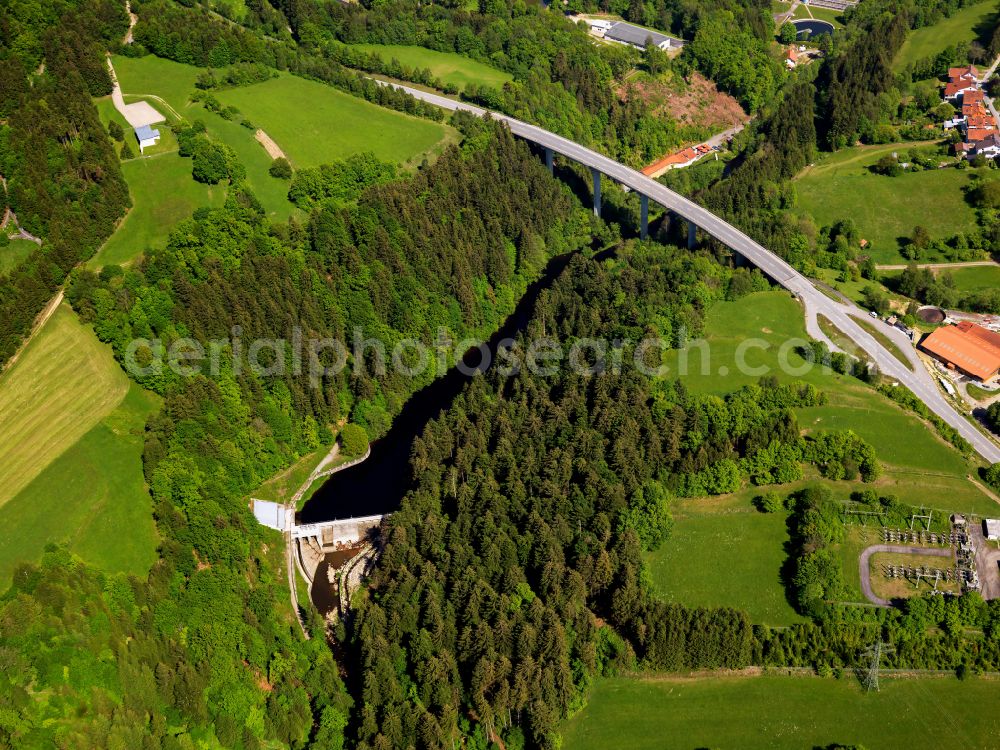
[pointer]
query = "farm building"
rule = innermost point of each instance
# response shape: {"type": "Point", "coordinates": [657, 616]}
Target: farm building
{"type": "Point", "coordinates": [638, 37]}
{"type": "Point", "coordinates": [991, 528]}
{"type": "Point", "coordinates": [146, 136]}
{"type": "Point", "coordinates": [968, 348]}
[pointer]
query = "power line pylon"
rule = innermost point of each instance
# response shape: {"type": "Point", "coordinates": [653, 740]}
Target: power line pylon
{"type": "Point", "coordinates": [873, 654]}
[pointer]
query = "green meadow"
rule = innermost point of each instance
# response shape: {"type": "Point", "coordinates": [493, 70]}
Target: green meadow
{"type": "Point", "coordinates": [316, 124]}
{"type": "Point", "coordinates": [772, 712]}
{"type": "Point", "coordinates": [964, 25]}
{"type": "Point", "coordinates": [722, 552]}
{"type": "Point", "coordinates": [13, 253]}
{"type": "Point", "coordinates": [824, 14]}
{"type": "Point", "coordinates": [92, 497]}
{"type": "Point", "coordinates": [311, 122]}
{"type": "Point", "coordinates": [450, 67]}
{"type": "Point", "coordinates": [173, 83]}
{"type": "Point", "coordinates": [975, 278]}
{"type": "Point", "coordinates": [163, 194]}
{"type": "Point", "coordinates": [886, 209]}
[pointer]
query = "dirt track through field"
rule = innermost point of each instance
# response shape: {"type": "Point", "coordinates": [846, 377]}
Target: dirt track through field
{"type": "Point", "coordinates": [272, 148]}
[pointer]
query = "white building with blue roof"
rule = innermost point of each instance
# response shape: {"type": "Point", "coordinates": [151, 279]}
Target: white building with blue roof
{"type": "Point", "coordinates": [147, 136]}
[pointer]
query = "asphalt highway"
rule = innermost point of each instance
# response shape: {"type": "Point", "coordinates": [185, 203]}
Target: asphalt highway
{"type": "Point", "coordinates": [842, 315]}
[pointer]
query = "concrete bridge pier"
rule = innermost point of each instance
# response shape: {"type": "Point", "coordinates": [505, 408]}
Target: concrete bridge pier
{"type": "Point", "coordinates": [548, 160]}
{"type": "Point", "coordinates": [597, 192]}
{"type": "Point", "coordinates": [692, 235]}
{"type": "Point", "coordinates": [643, 216]}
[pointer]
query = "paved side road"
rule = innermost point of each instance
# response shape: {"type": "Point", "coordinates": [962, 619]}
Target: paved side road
{"type": "Point", "coordinates": [865, 573]}
{"type": "Point", "coordinates": [917, 379]}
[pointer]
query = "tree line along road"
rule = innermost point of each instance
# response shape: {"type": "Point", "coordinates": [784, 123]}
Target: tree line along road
{"type": "Point", "coordinates": [843, 316]}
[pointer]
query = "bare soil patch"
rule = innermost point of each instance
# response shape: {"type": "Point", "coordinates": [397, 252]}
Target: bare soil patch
{"type": "Point", "coordinates": [272, 148]}
{"type": "Point", "coordinates": [696, 102]}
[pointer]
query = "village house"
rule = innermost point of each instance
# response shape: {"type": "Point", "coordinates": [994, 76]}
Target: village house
{"type": "Point", "coordinates": [974, 120]}
{"type": "Point", "coordinates": [989, 146]}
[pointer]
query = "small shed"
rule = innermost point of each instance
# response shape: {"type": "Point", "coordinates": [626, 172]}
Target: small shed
{"type": "Point", "coordinates": [146, 136]}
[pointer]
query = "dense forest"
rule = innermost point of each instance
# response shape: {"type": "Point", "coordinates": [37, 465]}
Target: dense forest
{"type": "Point", "coordinates": [218, 651]}
{"type": "Point", "coordinates": [506, 552]}
{"type": "Point", "coordinates": [62, 176]}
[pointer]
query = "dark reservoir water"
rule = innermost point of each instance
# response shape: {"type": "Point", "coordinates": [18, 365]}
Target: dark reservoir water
{"type": "Point", "coordinates": [377, 485]}
{"type": "Point", "coordinates": [808, 28]}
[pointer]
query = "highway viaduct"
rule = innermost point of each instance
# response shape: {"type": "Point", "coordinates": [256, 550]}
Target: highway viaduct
{"type": "Point", "coordinates": [914, 375]}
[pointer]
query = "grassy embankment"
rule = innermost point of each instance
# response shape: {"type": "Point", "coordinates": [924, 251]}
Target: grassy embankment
{"type": "Point", "coordinates": [71, 453]}
{"type": "Point", "coordinates": [785, 713]}
{"type": "Point", "coordinates": [722, 552]}
{"type": "Point", "coordinates": [450, 67]}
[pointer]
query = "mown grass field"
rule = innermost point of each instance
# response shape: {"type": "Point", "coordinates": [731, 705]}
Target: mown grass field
{"type": "Point", "coordinates": [14, 253]}
{"type": "Point", "coordinates": [170, 80]}
{"type": "Point", "coordinates": [771, 712]}
{"type": "Point", "coordinates": [63, 385]}
{"type": "Point", "coordinates": [723, 552]}
{"type": "Point", "coordinates": [839, 186]}
{"type": "Point", "coordinates": [71, 453]}
{"type": "Point", "coordinates": [91, 497]}
{"type": "Point", "coordinates": [163, 194]}
{"type": "Point", "coordinates": [963, 26]}
{"type": "Point", "coordinates": [824, 14]}
{"type": "Point", "coordinates": [316, 124]}
{"type": "Point", "coordinates": [450, 67]}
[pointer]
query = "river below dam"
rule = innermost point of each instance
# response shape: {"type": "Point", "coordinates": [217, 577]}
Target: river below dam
{"type": "Point", "coordinates": [377, 485]}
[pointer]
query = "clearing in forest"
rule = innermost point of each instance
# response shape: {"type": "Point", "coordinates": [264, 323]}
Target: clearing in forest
{"type": "Point", "coordinates": [696, 103]}
{"type": "Point", "coordinates": [163, 194]}
{"type": "Point", "coordinates": [13, 253]}
{"type": "Point", "coordinates": [316, 124]}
